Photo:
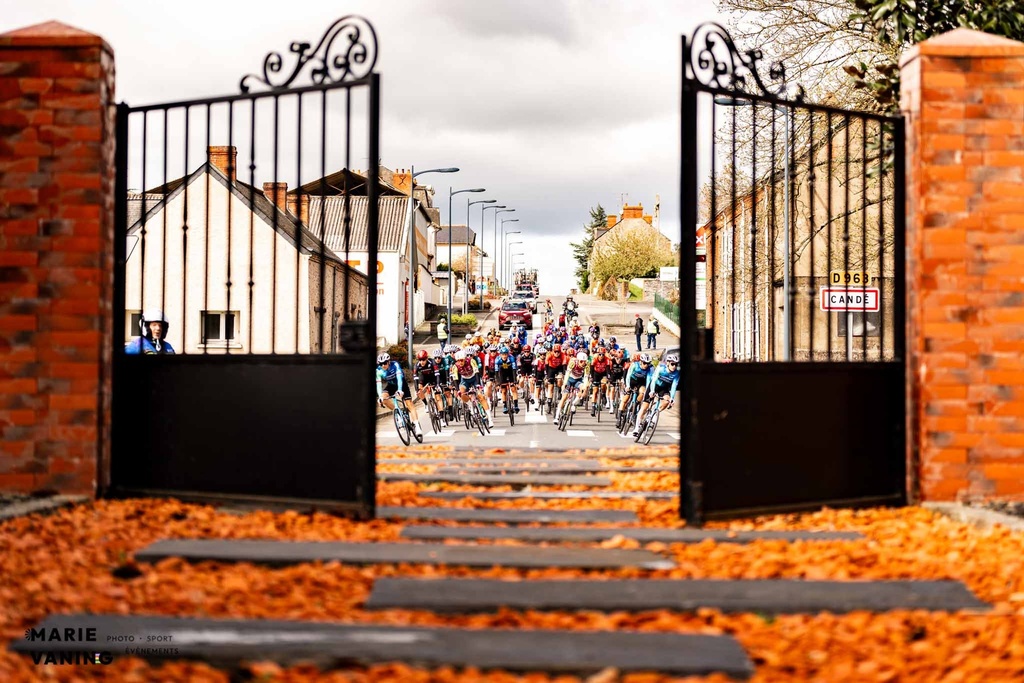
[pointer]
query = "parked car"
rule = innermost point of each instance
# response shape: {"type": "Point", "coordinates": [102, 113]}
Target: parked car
{"type": "Point", "coordinates": [513, 311]}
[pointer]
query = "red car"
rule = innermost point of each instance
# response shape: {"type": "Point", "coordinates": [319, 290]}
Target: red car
{"type": "Point", "coordinates": [514, 312]}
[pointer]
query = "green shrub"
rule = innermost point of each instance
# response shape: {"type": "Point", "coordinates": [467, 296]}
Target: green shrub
{"type": "Point", "coordinates": [468, 319]}
{"type": "Point", "coordinates": [635, 293]}
{"type": "Point", "coordinates": [399, 352]}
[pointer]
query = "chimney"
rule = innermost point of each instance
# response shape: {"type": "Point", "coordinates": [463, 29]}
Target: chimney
{"type": "Point", "coordinates": [223, 158]}
{"type": "Point", "coordinates": [298, 205]}
{"type": "Point", "coordinates": [648, 218]}
{"type": "Point", "coordinates": [402, 181]}
{"type": "Point", "coordinates": [277, 193]}
{"type": "Point", "coordinates": [633, 211]}
{"type": "Point", "coordinates": [612, 220]}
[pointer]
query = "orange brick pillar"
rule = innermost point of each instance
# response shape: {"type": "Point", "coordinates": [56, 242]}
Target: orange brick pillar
{"type": "Point", "coordinates": [56, 257]}
{"type": "Point", "coordinates": [963, 96]}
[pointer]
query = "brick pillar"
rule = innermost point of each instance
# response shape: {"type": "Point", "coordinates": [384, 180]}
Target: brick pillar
{"type": "Point", "coordinates": [56, 257]}
{"type": "Point", "coordinates": [963, 96]}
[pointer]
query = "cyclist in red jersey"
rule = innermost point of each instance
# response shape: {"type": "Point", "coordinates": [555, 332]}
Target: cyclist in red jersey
{"type": "Point", "coordinates": [600, 363]}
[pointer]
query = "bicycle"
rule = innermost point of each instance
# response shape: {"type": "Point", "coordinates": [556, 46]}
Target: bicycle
{"type": "Point", "coordinates": [616, 397]}
{"type": "Point", "coordinates": [627, 416]}
{"type": "Point", "coordinates": [436, 416]}
{"type": "Point", "coordinates": [403, 422]}
{"type": "Point", "coordinates": [475, 415]}
{"type": "Point", "coordinates": [565, 419]}
{"type": "Point", "coordinates": [650, 422]}
{"type": "Point", "coordinates": [506, 392]}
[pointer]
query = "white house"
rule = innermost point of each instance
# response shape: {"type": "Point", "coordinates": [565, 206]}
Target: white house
{"type": "Point", "coordinates": [232, 269]}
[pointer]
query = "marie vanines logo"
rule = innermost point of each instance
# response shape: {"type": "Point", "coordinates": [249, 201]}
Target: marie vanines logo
{"type": "Point", "coordinates": [74, 654]}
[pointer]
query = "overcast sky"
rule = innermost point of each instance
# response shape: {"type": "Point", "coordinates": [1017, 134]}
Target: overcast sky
{"type": "Point", "coordinates": [554, 106]}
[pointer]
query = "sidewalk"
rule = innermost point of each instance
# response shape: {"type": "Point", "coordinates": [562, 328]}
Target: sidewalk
{"type": "Point", "coordinates": [616, 320]}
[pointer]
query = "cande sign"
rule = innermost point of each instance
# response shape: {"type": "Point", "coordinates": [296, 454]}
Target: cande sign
{"type": "Point", "coordinates": [849, 299]}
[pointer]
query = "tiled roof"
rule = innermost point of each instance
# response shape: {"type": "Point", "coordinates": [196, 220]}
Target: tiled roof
{"type": "Point", "coordinates": [458, 233]}
{"type": "Point", "coordinates": [391, 219]}
{"type": "Point", "coordinates": [135, 205]}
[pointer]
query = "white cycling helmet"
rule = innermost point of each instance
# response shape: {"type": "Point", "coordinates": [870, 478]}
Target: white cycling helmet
{"type": "Point", "coordinates": [645, 358]}
{"type": "Point", "coordinates": [460, 355]}
{"type": "Point", "coordinates": [383, 358]}
{"type": "Point", "coordinates": [672, 358]}
{"type": "Point", "coordinates": [582, 355]}
{"type": "Point", "coordinates": [438, 353]}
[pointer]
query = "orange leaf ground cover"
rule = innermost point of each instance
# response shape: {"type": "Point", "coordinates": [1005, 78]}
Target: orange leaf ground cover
{"type": "Point", "coordinates": [64, 563]}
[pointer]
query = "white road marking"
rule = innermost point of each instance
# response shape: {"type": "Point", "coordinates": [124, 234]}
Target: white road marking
{"type": "Point", "coordinates": [444, 434]}
{"type": "Point", "coordinates": [534, 444]}
{"type": "Point", "coordinates": [674, 436]}
{"type": "Point", "coordinates": [536, 419]}
{"type": "Point", "coordinates": [496, 432]}
{"type": "Point", "coordinates": [579, 432]}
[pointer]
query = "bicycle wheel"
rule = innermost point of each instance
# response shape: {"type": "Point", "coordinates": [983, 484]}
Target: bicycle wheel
{"type": "Point", "coordinates": [640, 432]}
{"type": "Point", "coordinates": [481, 420]}
{"type": "Point", "coordinates": [652, 424]}
{"type": "Point", "coordinates": [467, 415]}
{"type": "Point", "coordinates": [401, 425]}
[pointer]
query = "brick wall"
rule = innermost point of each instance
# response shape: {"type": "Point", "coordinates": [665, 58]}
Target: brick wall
{"type": "Point", "coordinates": [963, 95]}
{"type": "Point", "coordinates": [56, 257]}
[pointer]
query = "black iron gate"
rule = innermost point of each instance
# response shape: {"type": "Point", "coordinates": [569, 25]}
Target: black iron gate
{"type": "Point", "coordinates": [268, 395]}
{"type": "Point", "coordinates": [792, 307]}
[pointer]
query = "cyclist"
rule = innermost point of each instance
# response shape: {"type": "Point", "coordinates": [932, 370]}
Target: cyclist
{"type": "Point", "coordinates": [636, 377]}
{"type": "Point", "coordinates": [391, 383]}
{"type": "Point", "coordinates": [154, 336]}
{"type": "Point", "coordinates": [548, 310]}
{"type": "Point", "coordinates": [516, 345]}
{"type": "Point", "coordinates": [427, 377]}
{"type": "Point", "coordinates": [526, 361]}
{"type": "Point", "coordinates": [600, 364]}
{"type": "Point", "coordinates": [616, 371]}
{"type": "Point", "coordinates": [444, 359]}
{"type": "Point", "coordinates": [469, 378]}
{"type": "Point", "coordinates": [662, 382]}
{"type": "Point", "coordinates": [505, 368]}
{"type": "Point", "coordinates": [577, 371]}
{"type": "Point", "coordinates": [554, 364]}
{"type": "Point", "coordinates": [539, 372]}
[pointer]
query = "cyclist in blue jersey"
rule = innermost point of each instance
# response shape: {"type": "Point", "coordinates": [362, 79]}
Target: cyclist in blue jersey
{"type": "Point", "coordinates": [662, 382]}
{"type": "Point", "coordinates": [637, 375]}
{"type": "Point", "coordinates": [391, 383]}
{"type": "Point", "coordinates": [505, 368]}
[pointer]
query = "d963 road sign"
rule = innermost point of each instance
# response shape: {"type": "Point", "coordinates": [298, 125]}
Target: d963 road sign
{"type": "Point", "coordinates": [849, 299]}
{"type": "Point", "coordinates": [846, 277]}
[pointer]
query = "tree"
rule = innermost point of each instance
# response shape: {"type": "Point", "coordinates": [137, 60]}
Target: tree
{"type": "Point", "coordinates": [849, 49]}
{"type": "Point", "coordinates": [623, 257]}
{"type": "Point", "coordinates": [581, 250]}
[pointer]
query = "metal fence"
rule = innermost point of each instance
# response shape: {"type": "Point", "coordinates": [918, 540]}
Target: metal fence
{"type": "Point", "coordinates": [671, 310]}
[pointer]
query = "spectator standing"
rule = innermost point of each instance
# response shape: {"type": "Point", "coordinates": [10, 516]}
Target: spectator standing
{"type": "Point", "coordinates": [638, 328]}
{"type": "Point", "coordinates": [442, 331]}
{"type": "Point", "coordinates": [652, 333]}
{"type": "Point", "coordinates": [153, 341]}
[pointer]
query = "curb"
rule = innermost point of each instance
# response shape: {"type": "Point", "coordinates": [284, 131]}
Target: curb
{"type": "Point", "coordinates": [41, 505]}
{"type": "Point", "coordinates": [978, 517]}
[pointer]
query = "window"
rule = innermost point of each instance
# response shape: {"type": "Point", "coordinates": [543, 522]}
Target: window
{"type": "Point", "coordinates": [874, 323]}
{"type": "Point", "coordinates": [220, 328]}
{"type": "Point", "coordinates": [514, 306]}
{"type": "Point", "coordinates": [131, 323]}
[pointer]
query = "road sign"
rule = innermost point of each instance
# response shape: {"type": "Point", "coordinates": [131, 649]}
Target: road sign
{"type": "Point", "coordinates": [669, 273]}
{"type": "Point", "coordinates": [845, 277]}
{"type": "Point", "coordinates": [849, 299]}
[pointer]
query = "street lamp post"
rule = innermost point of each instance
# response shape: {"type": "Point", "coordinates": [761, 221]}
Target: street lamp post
{"type": "Point", "coordinates": [482, 209]}
{"type": "Point", "coordinates": [494, 256]}
{"type": "Point", "coordinates": [451, 270]}
{"type": "Point", "coordinates": [787, 309]}
{"type": "Point", "coordinates": [502, 251]}
{"type": "Point", "coordinates": [410, 231]}
{"type": "Point", "coordinates": [513, 255]}
{"type": "Point", "coordinates": [465, 296]}
{"type": "Point", "coordinates": [504, 265]}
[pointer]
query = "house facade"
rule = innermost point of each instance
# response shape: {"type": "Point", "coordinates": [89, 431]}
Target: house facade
{"type": "Point", "coordinates": [232, 270]}
{"type": "Point", "coordinates": [633, 226]}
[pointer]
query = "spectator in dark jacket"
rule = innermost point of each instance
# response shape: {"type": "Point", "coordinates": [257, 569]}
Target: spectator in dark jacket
{"type": "Point", "coordinates": [638, 328]}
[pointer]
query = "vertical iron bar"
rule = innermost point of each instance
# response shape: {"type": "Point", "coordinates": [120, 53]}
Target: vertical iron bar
{"type": "Point", "coordinates": [828, 209]}
{"type": "Point", "coordinates": [899, 234]}
{"type": "Point", "coordinates": [812, 311]}
{"type": "Point", "coordinates": [754, 347]}
{"type": "Point", "coordinates": [163, 231]}
{"type": "Point", "coordinates": [732, 240]}
{"type": "Point", "coordinates": [881, 241]}
{"type": "Point", "coordinates": [252, 213]}
{"type": "Point", "coordinates": [790, 231]}
{"type": "Point", "coordinates": [710, 250]}
{"type": "Point", "coordinates": [120, 226]}
{"type": "Point", "coordinates": [371, 267]}
{"type": "Point", "coordinates": [864, 231]}
{"type": "Point", "coordinates": [206, 237]}
{"type": "Point", "coordinates": [184, 243]}
{"type": "Point", "coordinates": [369, 484]}
{"type": "Point", "coordinates": [273, 243]}
{"type": "Point", "coordinates": [773, 234]}
{"type": "Point", "coordinates": [232, 172]}
{"type": "Point", "coordinates": [323, 216]}
{"type": "Point", "coordinates": [690, 442]}
{"type": "Point", "coordinates": [142, 227]}
{"type": "Point", "coordinates": [846, 230]}
{"type": "Point", "coordinates": [298, 208]}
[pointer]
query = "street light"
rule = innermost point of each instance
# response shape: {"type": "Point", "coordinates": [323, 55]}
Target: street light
{"type": "Point", "coordinates": [786, 308]}
{"type": "Point", "coordinates": [465, 296]}
{"type": "Point", "coordinates": [482, 209]}
{"type": "Point", "coordinates": [504, 265]}
{"type": "Point", "coordinates": [513, 254]}
{"type": "Point", "coordinates": [502, 260]}
{"type": "Point", "coordinates": [451, 271]}
{"type": "Point", "coordinates": [495, 257]}
{"type": "Point", "coordinates": [410, 226]}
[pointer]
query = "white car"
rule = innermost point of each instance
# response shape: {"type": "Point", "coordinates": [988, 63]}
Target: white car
{"type": "Point", "coordinates": [527, 296]}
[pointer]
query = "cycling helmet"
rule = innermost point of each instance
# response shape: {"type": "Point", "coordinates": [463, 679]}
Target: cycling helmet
{"type": "Point", "coordinates": [558, 347]}
{"type": "Point", "coordinates": [672, 358]}
{"type": "Point", "coordinates": [502, 349]}
{"type": "Point", "coordinates": [526, 348]}
{"type": "Point", "coordinates": [469, 336]}
{"type": "Point", "coordinates": [645, 358]}
{"type": "Point", "coordinates": [460, 355]}
{"type": "Point", "coordinates": [438, 353]}
{"type": "Point", "coordinates": [383, 358]}
{"type": "Point", "coordinates": [601, 348]}
{"type": "Point", "coordinates": [547, 346]}
{"type": "Point", "coordinates": [492, 348]}
{"type": "Point", "coordinates": [422, 354]}
{"type": "Point", "coordinates": [600, 342]}
{"type": "Point", "coordinates": [582, 355]}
